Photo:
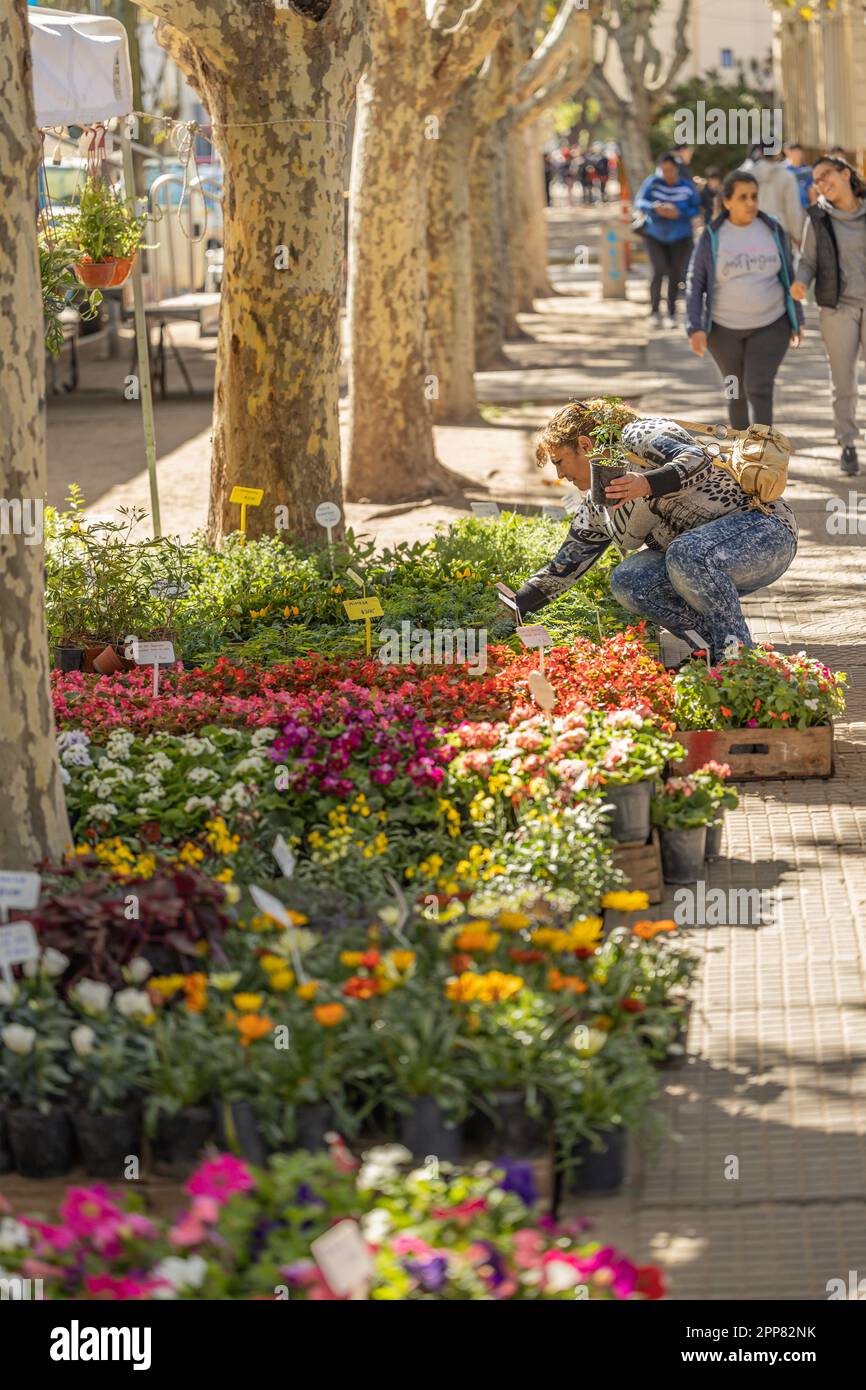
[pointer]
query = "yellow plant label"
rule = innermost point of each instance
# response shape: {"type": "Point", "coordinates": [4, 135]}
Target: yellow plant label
{"type": "Point", "coordinates": [362, 608]}
{"type": "Point", "coordinates": [247, 496]}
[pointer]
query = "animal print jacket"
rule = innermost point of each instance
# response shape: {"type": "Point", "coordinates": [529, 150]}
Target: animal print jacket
{"type": "Point", "coordinates": [686, 490]}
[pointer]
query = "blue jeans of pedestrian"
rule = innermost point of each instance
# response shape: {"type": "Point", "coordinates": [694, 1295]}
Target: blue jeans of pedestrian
{"type": "Point", "coordinates": [695, 585]}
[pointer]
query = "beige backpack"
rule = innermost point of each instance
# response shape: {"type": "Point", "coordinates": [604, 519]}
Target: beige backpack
{"type": "Point", "coordinates": [758, 459]}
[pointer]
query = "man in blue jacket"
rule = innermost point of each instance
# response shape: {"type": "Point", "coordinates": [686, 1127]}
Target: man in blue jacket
{"type": "Point", "coordinates": [669, 201]}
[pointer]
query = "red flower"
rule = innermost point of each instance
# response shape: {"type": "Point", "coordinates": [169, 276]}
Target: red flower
{"type": "Point", "coordinates": [459, 963]}
{"type": "Point", "coordinates": [370, 959]}
{"type": "Point", "coordinates": [632, 1006]}
{"type": "Point", "coordinates": [650, 1282]}
{"type": "Point", "coordinates": [361, 987]}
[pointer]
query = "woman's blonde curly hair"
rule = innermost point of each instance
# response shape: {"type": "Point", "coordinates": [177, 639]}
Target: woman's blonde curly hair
{"type": "Point", "coordinates": [581, 418]}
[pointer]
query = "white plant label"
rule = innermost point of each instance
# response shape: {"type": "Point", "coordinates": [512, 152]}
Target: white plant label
{"type": "Point", "coordinates": [509, 598]}
{"type": "Point", "coordinates": [355, 578]}
{"type": "Point", "coordinates": [328, 514]}
{"type": "Point", "coordinates": [18, 943]}
{"type": "Point", "coordinates": [270, 906]}
{"type": "Point", "coordinates": [344, 1259]}
{"type": "Point", "coordinates": [19, 888]}
{"type": "Point", "coordinates": [542, 691]}
{"type": "Point", "coordinates": [284, 857]}
{"type": "Point", "coordinates": [535, 635]}
{"type": "Point", "coordinates": [153, 654]}
{"type": "Point", "coordinates": [485, 508]}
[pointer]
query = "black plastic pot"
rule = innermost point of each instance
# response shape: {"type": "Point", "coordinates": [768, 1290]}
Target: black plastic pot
{"type": "Point", "coordinates": [180, 1137]}
{"type": "Point", "coordinates": [43, 1146]}
{"type": "Point", "coordinates": [7, 1163]}
{"type": "Point", "coordinates": [514, 1132]}
{"type": "Point", "coordinates": [424, 1132]}
{"type": "Point", "coordinates": [631, 811]}
{"type": "Point", "coordinates": [312, 1123]}
{"type": "Point", "coordinates": [600, 1170]}
{"type": "Point", "coordinates": [683, 854]}
{"type": "Point", "coordinates": [714, 840]}
{"type": "Point", "coordinates": [602, 475]}
{"type": "Point", "coordinates": [68, 658]}
{"type": "Point", "coordinates": [107, 1141]}
{"type": "Point", "coordinates": [238, 1130]}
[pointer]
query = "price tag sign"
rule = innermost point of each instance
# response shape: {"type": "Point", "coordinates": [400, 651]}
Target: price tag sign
{"type": "Point", "coordinates": [19, 889]}
{"type": "Point", "coordinates": [554, 512]}
{"type": "Point", "coordinates": [153, 654]}
{"type": "Point", "coordinates": [17, 944]}
{"type": "Point", "coordinates": [542, 691]}
{"type": "Point", "coordinates": [246, 497]}
{"type": "Point", "coordinates": [328, 514]}
{"type": "Point", "coordinates": [535, 635]}
{"type": "Point", "coordinates": [344, 1258]}
{"type": "Point", "coordinates": [357, 608]}
{"type": "Point", "coordinates": [485, 508]}
{"type": "Point", "coordinates": [284, 857]}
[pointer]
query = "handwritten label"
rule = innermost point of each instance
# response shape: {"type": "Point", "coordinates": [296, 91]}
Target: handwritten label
{"type": "Point", "coordinates": [485, 508]}
{"type": "Point", "coordinates": [535, 635]}
{"type": "Point", "coordinates": [151, 653]}
{"type": "Point", "coordinates": [344, 1259]}
{"type": "Point", "coordinates": [363, 608]}
{"type": "Point", "coordinates": [284, 857]}
{"type": "Point", "coordinates": [328, 514]}
{"type": "Point", "coordinates": [18, 943]}
{"type": "Point", "coordinates": [542, 691]}
{"type": "Point", "coordinates": [19, 889]}
{"type": "Point", "coordinates": [247, 496]}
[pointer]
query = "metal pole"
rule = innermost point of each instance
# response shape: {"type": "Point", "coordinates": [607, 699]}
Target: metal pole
{"type": "Point", "coordinates": [143, 346]}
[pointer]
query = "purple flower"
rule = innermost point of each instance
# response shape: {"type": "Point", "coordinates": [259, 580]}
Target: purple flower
{"type": "Point", "coordinates": [430, 1274]}
{"type": "Point", "coordinates": [520, 1179]}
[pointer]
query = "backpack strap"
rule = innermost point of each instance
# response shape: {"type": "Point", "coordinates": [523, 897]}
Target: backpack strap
{"type": "Point", "coordinates": [717, 431]}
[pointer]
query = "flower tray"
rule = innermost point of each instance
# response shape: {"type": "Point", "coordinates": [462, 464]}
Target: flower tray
{"type": "Point", "coordinates": [755, 755]}
{"type": "Point", "coordinates": [642, 866]}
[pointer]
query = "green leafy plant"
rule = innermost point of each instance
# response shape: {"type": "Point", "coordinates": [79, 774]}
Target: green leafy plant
{"type": "Point", "coordinates": [760, 688]}
{"type": "Point", "coordinates": [62, 290]}
{"type": "Point", "coordinates": [103, 226]}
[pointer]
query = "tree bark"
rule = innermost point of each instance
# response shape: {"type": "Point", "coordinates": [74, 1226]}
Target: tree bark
{"type": "Point", "coordinates": [451, 317]}
{"type": "Point", "coordinates": [33, 821]}
{"type": "Point", "coordinates": [416, 71]}
{"type": "Point", "coordinates": [278, 85]}
{"type": "Point", "coordinates": [491, 247]}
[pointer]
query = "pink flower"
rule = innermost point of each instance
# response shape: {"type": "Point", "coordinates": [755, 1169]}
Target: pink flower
{"type": "Point", "coordinates": [50, 1237]}
{"type": "Point", "coordinates": [462, 1212]}
{"type": "Point", "coordinates": [528, 1248]}
{"type": "Point", "coordinates": [192, 1228]}
{"type": "Point", "coordinates": [411, 1245]}
{"type": "Point", "coordinates": [85, 1209]}
{"type": "Point", "coordinates": [123, 1287]}
{"type": "Point", "coordinates": [220, 1178]}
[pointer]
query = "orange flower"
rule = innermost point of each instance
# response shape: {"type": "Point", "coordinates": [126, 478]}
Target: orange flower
{"type": "Point", "coordinates": [756, 706]}
{"type": "Point", "coordinates": [251, 1027]}
{"type": "Point", "coordinates": [573, 984]}
{"type": "Point", "coordinates": [459, 963]}
{"type": "Point", "coordinates": [784, 715]}
{"type": "Point", "coordinates": [329, 1014]}
{"type": "Point", "coordinates": [307, 991]}
{"type": "Point", "coordinates": [195, 989]}
{"type": "Point", "coordinates": [725, 711]}
{"type": "Point", "coordinates": [645, 930]}
{"type": "Point", "coordinates": [361, 987]}
{"type": "Point", "coordinates": [351, 958]}
{"type": "Point", "coordinates": [478, 939]}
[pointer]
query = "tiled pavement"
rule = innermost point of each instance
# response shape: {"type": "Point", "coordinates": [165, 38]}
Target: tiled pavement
{"type": "Point", "coordinates": [776, 1069]}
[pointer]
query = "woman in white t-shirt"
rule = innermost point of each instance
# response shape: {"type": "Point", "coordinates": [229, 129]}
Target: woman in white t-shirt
{"type": "Point", "coordinates": [739, 302]}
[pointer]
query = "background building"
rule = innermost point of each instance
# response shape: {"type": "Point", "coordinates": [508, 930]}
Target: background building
{"type": "Point", "coordinates": [721, 34]}
{"type": "Point", "coordinates": [818, 65]}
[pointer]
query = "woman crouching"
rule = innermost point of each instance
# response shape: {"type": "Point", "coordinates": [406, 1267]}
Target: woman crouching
{"type": "Point", "coordinates": [692, 539]}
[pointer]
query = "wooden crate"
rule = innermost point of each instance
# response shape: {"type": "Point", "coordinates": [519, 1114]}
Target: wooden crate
{"type": "Point", "coordinates": [758, 754]}
{"type": "Point", "coordinates": [642, 865]}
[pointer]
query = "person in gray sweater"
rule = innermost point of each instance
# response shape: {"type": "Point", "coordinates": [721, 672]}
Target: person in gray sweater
{"type": "Point", "coordinates": [834, 257]}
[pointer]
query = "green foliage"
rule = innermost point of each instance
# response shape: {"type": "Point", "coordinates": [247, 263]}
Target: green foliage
{"type": "Point", "coordinates": [751, 90]}
{"type": "Point", "coordinates": [103, 226]}
{"type": "Point", "coordinates": [61, 290]}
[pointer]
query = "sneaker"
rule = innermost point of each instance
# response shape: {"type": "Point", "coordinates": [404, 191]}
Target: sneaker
{"type": "Point", "coordinates": [849, 460]}
{"type": "Point", "coordinates": [669, 321]}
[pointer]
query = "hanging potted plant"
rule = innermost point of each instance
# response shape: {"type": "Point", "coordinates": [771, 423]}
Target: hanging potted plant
{"type": "Point", "coordinates": [61, 289]}
{"type": "Point", "coordinates": [106, 234]}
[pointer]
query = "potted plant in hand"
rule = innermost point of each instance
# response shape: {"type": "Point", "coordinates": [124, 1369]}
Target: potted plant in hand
{"type": "Point", "coordinates": [106, 233]}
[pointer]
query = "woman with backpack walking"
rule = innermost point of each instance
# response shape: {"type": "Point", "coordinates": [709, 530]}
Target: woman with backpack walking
{"type": "Point", "coordinates": [834, 257]}
{"type": "Point", "coordinates": [691, 538]}
{"type": "Point", "coordinates": [667, 201]}
{"type": "Point", "coordinates": [739, 302]}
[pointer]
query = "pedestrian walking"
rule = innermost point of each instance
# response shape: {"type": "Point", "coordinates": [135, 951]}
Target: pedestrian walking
{"type": "Point", "coordinates": [698, 544]}
{"type": "Point", "coordinates": [779, 191]}
{"type": "Point", "coordinates": [796, 164]}
{"type": "Point", "coordinates": [602, 170]}
{"type": "Point", "coordinates": [668, 201]}
{"type": "Point", "coordinates": [739, 302]}
{"type": "Point", "coordinates": [711, 195]}
{"type": "Point", "coordinates": [834, 257]}
{"type": "Point", "coordinates": [584, 173]}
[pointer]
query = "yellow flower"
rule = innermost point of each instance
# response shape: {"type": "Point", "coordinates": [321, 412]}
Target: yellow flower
{"type": "Point", "coordinates": [247, 1003]}
{"type": "Point", "coordinates": [297, 918]}
{"type": "Point", "coordinates": [512, 921]}
{"type": "Point", "coordinates": [166, 985]}
{"type": "Point", "coordinates": [225, 980]}
{"type": "Point", "coordinates": [585, 934]}
{"type": "Point", "coordinates": [402, 960]}
{"type": "Point", "coordinates": [621, 900]}
{"type": "Point", "coordinates": [224, 876]}
{"type": "Point", "coordinates": [271, 963]}
{"type": "Point", "coordinates": [190, 853]}
{"type": "Point", "coordinates": [350, 958]}
{"type": "Point", "coordinates": [282, 980]}
{"type": "Point", "coordinates": [308, 990]}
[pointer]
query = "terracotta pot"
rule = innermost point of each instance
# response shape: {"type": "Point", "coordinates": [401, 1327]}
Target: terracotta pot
{"type": "Point", "coordinates": [122, 271]}
{"type": "Point", "coordinates": [90, 655]}
{"type": "Point", "coordinates": [96, 275]}
{"type": "Point", "coordinates": [107, 662]}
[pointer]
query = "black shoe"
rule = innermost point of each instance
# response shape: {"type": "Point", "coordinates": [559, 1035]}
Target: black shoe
{"type": "Point", "coordinates": [849, 460]}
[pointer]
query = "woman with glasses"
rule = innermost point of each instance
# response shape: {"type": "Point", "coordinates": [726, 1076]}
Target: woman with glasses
{"type": "Point", "coordinates": [834, 257]}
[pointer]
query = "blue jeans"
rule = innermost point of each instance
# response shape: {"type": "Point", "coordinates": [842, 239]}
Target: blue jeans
{"type": "Point", "coordinates": [696, 583]}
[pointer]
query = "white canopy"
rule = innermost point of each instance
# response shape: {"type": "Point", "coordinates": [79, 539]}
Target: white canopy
{"type": "Point", "coordinates": [81, 71]}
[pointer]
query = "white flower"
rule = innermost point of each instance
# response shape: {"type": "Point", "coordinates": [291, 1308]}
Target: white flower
{"type": "Point", "coordinates": [201, 774]}
{"type": "Point", "coordinates": [253, 763]}
{"type": "Point", "coordinates": [199, 803]}
{"type": "Point", "coordinates": [237, 795]}
{"type": "Point", "coordinates": [158, 762]}
{"type": "Point", "coordinates": [8, 993]}
{"type": "Point", "coordinates": [381, 1163]}
{"type": "Point", "coordinates": [13, 1234]}
{"type": "Point", "coordinates": [375, 1224]}
{"type": "Point", "coordinates": [139, 970]}
{"type": "Point", "coordinates": [82, 1039]}
{"type": "Point", "coordinates": [263, 736]}
{"type": "Point", "coordinates": [74, 748]}
{"type": "Point", "coordinates": [181, 1274]}
{"type": "Point", "coordinates": [18, 1038]}
{"type": "Point", "coordinates": [92, 996]}
{"type": "Point", "coordinates": [50, 963]}
{"type": "Point", "coordinates": [811, 704]}
{"type": "Point", "coordinates": [119, 742]}
{"type": "Point", "coordinates": [194, 747]}
{"type": "Point", "coordinates": [132, 1003]}
{"type": "Point", "coordinates": [560, 1276]}
{"type": "Point", "coordinates": [65, 777]}
{"type": "Point", "coordinates": [115, 772]}
{"type": "Point", "coordinates": [624, 719]}
{"type": "Point", "coordinates": [150, 795]}
{"type": "Point", "coordinates": [103, 810]}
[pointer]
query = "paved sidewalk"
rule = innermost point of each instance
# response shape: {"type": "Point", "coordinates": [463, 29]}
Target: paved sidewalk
{"type": "Point", "coordinates": [776, 1075]}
